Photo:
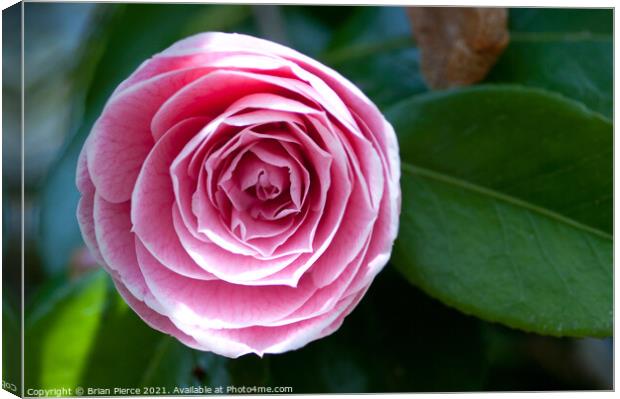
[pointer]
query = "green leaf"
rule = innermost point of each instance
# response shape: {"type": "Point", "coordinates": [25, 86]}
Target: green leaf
{"type": "Point", "coordinates": [83, 334]}
{"type": "Point", "coordinates": [59, 333]}
{"type": "Point", "coordinates": [526, 143]}
{"type": "Point", "coordinates": [153, 359]}
{"type": "Point", "coordinates": [561, 20]}
{"type": "Point", "coordinates": [507, 207]}
{"type": "Point", "coordinates": [568, 51]}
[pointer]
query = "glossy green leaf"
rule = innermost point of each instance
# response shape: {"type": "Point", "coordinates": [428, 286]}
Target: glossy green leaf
{"type": "Point", "coordinates": [83, 334]}
{"type": "Point", "coordinates": [526, 143]}
{"type": "Point", "coordinates": [561, 20]}
{"type": "Point", "coordinates": [580, 68]}
{"type": "Point", "coordinates": [507, 207]}
{"type": "Point", "coordinates": [568, 51]}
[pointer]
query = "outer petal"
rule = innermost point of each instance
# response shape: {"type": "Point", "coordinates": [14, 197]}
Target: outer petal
{"type": "Point", "coordinates": [83, 182]}
{"type": "Point", "coordinates": [261, 340]}
{"type": "Point", "coordinates": [153, 199]}
{"type": "Point", "coordinates": [121, 137]}
{"type": "Point", "coordinates": [218, 304]}
{"type": "Point", "coordinates": [86, 222]}
{"type": "Point", "coordinates": [116, 242]}
{"type": "Point", "coordinates": [85, 207]}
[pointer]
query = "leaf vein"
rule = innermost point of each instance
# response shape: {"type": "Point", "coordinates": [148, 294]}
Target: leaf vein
{"type": "Point", "coordinates": [597, 256]}
{"type": "Point", "coordinates": [416, 170]}
{"type": "Point", "coordinates": [515, 269]}
{"type": "Point", "coordinates": [545, 255]}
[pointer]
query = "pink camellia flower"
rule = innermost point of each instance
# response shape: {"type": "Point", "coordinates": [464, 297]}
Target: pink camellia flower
{"type": "Point", "coordinates": [242, 195]}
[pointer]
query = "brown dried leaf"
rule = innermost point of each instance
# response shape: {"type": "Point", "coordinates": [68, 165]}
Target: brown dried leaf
{"type": "Point", "coordinates": [458, 45]}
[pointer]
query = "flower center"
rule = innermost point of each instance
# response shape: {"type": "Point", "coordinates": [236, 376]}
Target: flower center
{"type": "Point", "coordinates": [266, 189]}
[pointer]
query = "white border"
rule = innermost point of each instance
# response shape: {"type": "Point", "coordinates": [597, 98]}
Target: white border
{"type": "Point", "coordinates": [497, 3]}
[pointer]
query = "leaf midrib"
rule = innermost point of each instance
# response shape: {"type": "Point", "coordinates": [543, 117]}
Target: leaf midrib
{"type": "Point", "coordinates": [454, 181]}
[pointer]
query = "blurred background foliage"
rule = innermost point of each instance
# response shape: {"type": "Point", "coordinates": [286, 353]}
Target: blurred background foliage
{"type": "Point", "coordinates": [79, 331]}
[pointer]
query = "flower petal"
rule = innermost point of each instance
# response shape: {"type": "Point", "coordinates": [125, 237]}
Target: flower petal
{"type": "Point", "coordinates": [153, 199]}
{"type": "Point", "coordinates": [215, 303]}
{"type": "Point", "coordinates": [121, 138]}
